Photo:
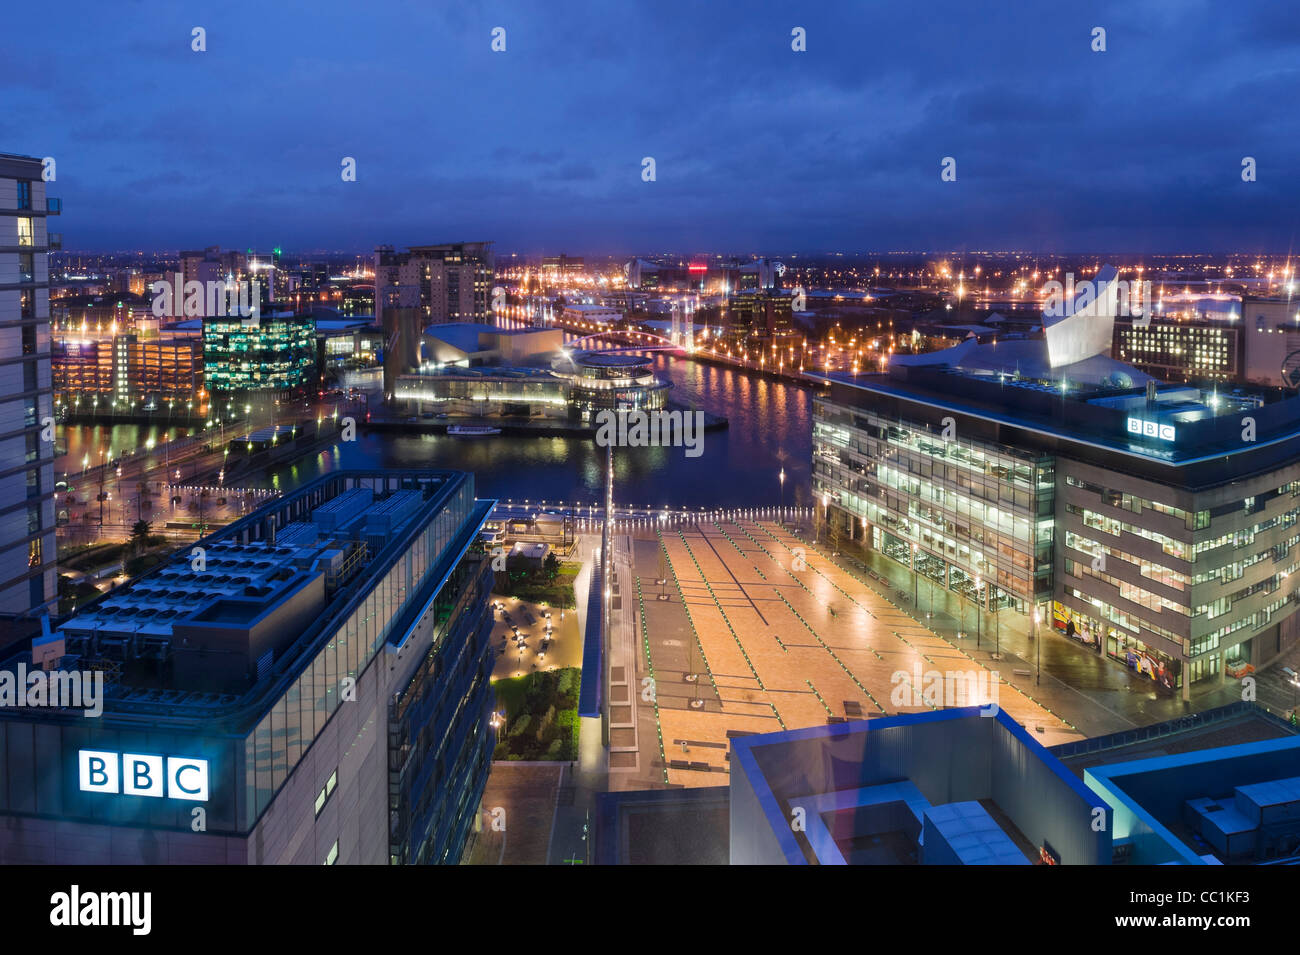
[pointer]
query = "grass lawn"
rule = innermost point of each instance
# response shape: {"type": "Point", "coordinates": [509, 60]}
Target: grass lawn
{"type": "Point", "coordinates": [74, 594]}
{"type": "Point", "coordinates": [541, 715]}
{"type": "Point", "coordinates": [557, 592]}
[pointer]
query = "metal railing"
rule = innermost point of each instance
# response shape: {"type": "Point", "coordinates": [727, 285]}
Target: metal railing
{"type": "Point", "coordinates": [1182, 724]}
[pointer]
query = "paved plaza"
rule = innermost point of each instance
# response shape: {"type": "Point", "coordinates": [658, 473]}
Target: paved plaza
{"type": "Point", "coordinates": [535, 649]}
{"type": "Point", "coordinates": [781, 637]}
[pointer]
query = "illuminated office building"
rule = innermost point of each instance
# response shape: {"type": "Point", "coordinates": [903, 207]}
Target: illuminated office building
{"type": "Point", "coordinates": [1185, 339]}
{"type": "Point", "coordinates": [759, 322]}
{"type": "Point", "coordinates": [1155, 523]}
{"type": "Point", "coordinates": [275, 353]}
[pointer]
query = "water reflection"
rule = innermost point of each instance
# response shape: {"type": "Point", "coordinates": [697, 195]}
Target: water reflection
{"type": "Point", "coordinates": [770, 428]}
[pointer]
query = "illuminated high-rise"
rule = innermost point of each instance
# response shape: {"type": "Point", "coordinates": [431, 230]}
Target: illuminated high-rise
{"type": "Point", "coordinates": [27, 546]}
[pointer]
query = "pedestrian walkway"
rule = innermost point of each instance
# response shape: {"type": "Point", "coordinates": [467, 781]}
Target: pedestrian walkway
{"type": "Point", "coordinates": [1093, 692]}
{"type": "Point", "coordinates": [776, 639]}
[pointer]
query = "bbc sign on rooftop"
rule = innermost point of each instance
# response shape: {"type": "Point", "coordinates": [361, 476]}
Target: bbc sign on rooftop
{"type": "Point", "coordinates": [1151, 429]}
{"type": "Point", "coordinates": [133, 774]}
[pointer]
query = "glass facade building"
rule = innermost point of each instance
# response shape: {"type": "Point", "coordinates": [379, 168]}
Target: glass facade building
{"type": "Point", "coordinates": [1156, 527]}
{"type": "Point", "coordinates": [271, 353]}
{"type": "Point", "coordinates": [363, 739]}
{"type": "Point", "coordinates": [971, 516]}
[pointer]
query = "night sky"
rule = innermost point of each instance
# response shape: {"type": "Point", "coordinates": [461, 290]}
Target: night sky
{"type": "Point", "coordinates": [758, 148]}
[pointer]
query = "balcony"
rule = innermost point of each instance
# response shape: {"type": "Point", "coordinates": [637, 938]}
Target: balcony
{"type": "Point", "coordinates": [54, 241]}
{"type": "Point", "coordinates": [53, 207]}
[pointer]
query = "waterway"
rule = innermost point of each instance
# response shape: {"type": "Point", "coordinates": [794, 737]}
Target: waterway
{"type": "Point", "coordinates": [770, 429]}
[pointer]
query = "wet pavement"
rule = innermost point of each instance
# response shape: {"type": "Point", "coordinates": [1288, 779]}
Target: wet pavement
{"type": "Point", "coordinates": [1090, 690]}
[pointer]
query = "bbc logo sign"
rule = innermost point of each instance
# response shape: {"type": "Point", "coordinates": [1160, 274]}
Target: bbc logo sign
{"type": "Point", "coordinates": [1151, 429]}
{"type": "Point", "coordinates": [131, 774]}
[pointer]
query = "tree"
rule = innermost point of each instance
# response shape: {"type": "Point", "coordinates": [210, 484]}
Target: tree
{"type": "Point", "coordinates": [834, 534]}
{"type": "Point", "coordinates": [551, 566]}
{"type": "Point", "coordinates": [139, 537]}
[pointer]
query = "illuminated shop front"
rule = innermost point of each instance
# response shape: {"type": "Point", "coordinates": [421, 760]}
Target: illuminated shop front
{"type": "Point", "coordinates": [1122, 647]}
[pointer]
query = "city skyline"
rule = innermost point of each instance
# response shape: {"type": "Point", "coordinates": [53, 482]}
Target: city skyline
{"type": "Point", "coordinates": [1058, 147]}
{"type": "Point", "coordinates": [653, 434]}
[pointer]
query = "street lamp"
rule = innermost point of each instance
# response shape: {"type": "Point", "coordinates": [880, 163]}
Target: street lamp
{"type": "Point", "coordinates": [997, 625]}
{"type": "Point", "coordinates": [914, 581]}
{"type": "Point", "coordinates": [1038, 649]}
{"type": "Point", "coordinates": [782, 496]}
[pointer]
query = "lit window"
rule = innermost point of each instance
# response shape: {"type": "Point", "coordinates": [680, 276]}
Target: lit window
{"type": "Point", "coordinates": [324, 795]}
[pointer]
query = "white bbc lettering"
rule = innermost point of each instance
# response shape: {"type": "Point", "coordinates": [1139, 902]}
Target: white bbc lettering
{"type": "Point", "coordinates": [188, 778]}
{"type": "Point", "coordinates": [142, 775]}
{"type": "Point", "coordinates": [1150, 429]}
{"type": "Point", "coordinates": [97, 771]}
{"type": "Point", "coordinates": [134, 774]}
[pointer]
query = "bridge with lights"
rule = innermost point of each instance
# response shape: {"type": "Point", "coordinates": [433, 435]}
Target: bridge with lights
{"type": "Point", "coordinates": [615, 340]}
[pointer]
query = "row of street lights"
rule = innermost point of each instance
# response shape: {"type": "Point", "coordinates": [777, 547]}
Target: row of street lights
{"type": "Point", "coordinates": [1036, 616]}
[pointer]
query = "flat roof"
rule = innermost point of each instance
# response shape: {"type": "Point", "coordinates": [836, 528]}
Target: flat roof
{"type": "Point", "coordinates": [1104, 411]}
{"type": "Point", "coordinates": [909, 765]}
{"type": "Point", "coordinates": [1186, 807]}
{"type": "Point", "coordinates": [354, 534]}
{"type": "Point", "coordinates": [610, 360]}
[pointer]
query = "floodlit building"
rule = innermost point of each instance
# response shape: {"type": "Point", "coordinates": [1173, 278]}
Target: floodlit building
{"type": "Point", "coordinates": [447, 283]}
{"type": "Point", "coordinates": [760, 323]}
{"type": "Point", "coordinates": [430, 284]}
{"type": "Point", "coordinates": [127, 372]}
{"type": "Point", "coordinates": [1078, 323]}
{"type": "Point", "coordinates": [1156, 524]}
{"type": "Point", "coordinates": [591, 315]}
{"type": "Point", "coordinates": [575, 388]}
{"type": "Point", "coordinates": [1187, 338]}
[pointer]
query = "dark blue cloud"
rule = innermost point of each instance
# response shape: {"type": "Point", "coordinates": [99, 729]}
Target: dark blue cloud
{"type": "Point", "coordinates": [757, 147]}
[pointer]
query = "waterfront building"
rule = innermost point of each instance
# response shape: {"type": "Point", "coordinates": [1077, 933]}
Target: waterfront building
{"type": "Point", "coordinates": [759, 324]}
{"type": "Point", "coordinates": [127, 372]}
{"type": "Point", "coordinates": [446, 283]}
{"type": "Point", "coordinates": [574, 388]}
{"type": "Point", "coordinates": [428, 285]}
{"type": "Point", "coordinates": [1155, 523]}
